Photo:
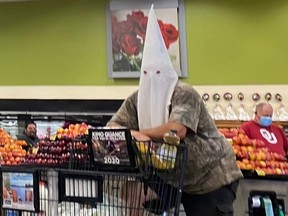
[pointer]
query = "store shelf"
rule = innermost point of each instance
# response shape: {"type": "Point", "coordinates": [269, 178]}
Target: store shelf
{"type": "Point", "coordinates": [237, 123]}
{"type": "Point", "coordinates": [252, 174]}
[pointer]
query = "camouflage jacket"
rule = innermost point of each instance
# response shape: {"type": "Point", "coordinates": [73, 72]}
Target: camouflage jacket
{"type": "Point", "coordinates": [211, 160]}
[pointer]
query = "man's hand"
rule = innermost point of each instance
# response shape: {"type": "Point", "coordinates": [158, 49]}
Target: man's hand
{"type": "Point", "coordinates": [139, 136]}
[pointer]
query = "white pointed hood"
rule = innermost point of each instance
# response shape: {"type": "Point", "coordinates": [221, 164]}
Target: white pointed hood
{"type": "Point", "coordinates": [157, 80]}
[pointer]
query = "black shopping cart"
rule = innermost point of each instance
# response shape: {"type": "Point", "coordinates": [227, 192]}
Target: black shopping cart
{"type": "Point", "coordinates": [114, 178]}
{"type": "Point", "coordinates": [134, 177]}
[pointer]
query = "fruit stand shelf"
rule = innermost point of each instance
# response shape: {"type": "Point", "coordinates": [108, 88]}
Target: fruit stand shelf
{"type": "Point", "coordinates": [237, 123]}
{"type": "Point", "coordinates": [251, 174]}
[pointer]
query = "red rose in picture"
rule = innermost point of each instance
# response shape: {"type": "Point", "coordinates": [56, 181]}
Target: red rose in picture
{"type": "Point", "coordinates": [116, 48]}
{"type": "Point", "coordinates": [170, 34]}
{"type": "Point", "coordinates": [122, 27]}
{"type": "Point", "coordinates": [139, 21]}
{"type": "Point", "coordinates": [128, 37]}
{"type": "Point", "coordinates": [140, 28]}
{"type": "Point", "coordinates": [160, 23]}
{"type": "Point", "coordinates": [130, 44]}
{"type": "Point", "coordinates": [136, 16]}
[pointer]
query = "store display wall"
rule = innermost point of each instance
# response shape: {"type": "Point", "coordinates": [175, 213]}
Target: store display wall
{"type": "Point", "coordinates": [64, 43]}
{"type": "Point", "coordinates": [57, 50]}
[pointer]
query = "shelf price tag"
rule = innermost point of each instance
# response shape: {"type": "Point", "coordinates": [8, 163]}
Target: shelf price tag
{"type": "Point", "coordinates": [260, 172]}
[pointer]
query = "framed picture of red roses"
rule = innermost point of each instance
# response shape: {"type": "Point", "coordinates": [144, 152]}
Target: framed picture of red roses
{"type": "Point", "coordinates": [126, 29]}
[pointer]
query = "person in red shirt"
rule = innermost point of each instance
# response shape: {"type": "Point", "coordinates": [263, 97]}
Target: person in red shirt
{"type": "Point", "coordinates": [261, 128]}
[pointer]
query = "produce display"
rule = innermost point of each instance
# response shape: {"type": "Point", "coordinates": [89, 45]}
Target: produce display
{"type": "Point", "coordinates": [253, 155]}
{"type": "Point", "coordinates": [11, 151]}
{"type": "Point", "coordinates": [58, 151]}
{"type": "Point", "coordinates": [69, 143]}
{"type": "Point", "coordinates": [73, 131]}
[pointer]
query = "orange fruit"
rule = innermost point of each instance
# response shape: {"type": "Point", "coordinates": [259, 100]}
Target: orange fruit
{"type": "Point", "coordinates": [4, 154]}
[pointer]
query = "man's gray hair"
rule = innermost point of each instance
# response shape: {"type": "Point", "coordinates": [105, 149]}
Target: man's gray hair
{"type": "Point", "coordinates": [259, 107]}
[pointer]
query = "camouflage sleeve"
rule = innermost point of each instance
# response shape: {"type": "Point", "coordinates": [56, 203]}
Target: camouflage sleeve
{"type": "Point", "coordinates": [127, 113]}
{"type": "Point", "coordinates": [186, 107]}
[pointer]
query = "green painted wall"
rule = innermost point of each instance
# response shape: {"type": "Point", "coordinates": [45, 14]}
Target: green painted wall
{"type": "Point", "coordinates": [237, 41]}
{"type": "Point", "coordinates": [63, 42]}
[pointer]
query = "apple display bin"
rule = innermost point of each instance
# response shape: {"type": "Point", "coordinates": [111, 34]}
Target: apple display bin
{"type": "Point", "coordinates": [88, 188]}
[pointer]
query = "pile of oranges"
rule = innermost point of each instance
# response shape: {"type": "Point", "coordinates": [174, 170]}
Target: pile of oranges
{"type": "Point", "coordinates": [11, 151]}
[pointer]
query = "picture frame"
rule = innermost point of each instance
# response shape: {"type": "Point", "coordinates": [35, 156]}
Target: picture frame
{"type": "Point", "coordinates": [20, 190]}
{"type": "Point", "coordinates": [125, 40]}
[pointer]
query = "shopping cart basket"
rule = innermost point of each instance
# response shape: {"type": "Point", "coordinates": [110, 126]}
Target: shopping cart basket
{"type": "Point", "coordinates": [149, 185]}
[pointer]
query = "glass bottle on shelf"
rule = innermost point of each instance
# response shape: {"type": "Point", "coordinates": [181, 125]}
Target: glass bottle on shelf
{"type": "Point", "coordinates": [242, 114]}
{"type": "Point", "coordinates": [280, 114]}
{"type": "Point", "coordinates": [268, 97]}
{"type": "Point", "coordinates": [218, 112]}
{"type": "Point", "coordinates": [205, 98]}
{"type": "Point", "coordinates": [230, 113]}
{"type": "Point", "coordinates": [255, 97]}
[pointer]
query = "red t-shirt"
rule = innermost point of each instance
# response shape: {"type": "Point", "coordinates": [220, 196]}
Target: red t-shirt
{"type": "Point", "coordinates": [273, 136]}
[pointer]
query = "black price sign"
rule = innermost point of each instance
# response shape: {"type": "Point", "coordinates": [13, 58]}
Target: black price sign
{"type": "Point", "coordinates": [112, 146]}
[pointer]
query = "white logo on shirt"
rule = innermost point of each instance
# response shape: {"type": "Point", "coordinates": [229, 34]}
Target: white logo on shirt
{"type": "Point", "coordinates": [270, 137]}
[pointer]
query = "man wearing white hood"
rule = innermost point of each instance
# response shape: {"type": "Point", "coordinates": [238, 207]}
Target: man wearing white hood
{"type": "Point", "coordinates": [163, 103]}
